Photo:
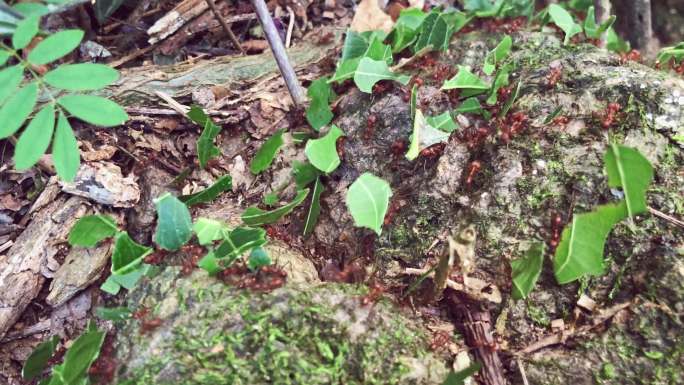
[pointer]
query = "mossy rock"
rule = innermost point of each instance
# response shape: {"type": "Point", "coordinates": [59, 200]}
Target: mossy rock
{"type": "Point", "coordinates": [211, 333]}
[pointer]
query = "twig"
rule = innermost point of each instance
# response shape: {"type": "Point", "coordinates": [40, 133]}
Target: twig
{"type": "Point", "coordinates": [225, 26]}
{"type": "Point", "coordinates": [522, 372]}
{"type": "Point", "coordinates": [39, 327]}
{"type": "Point", "coordinates": [666, 217]}
{"type": "Point", "coordinates": [279, 53]}
{"type": "Point", "coordinates": [133, 55]}
{"type": "Point", "coordinates": [181, 109]}
{"type": "Point", "coordinates": [290, 27]}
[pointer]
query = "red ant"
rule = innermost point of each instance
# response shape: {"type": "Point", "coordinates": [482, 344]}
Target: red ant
{"type": "Point", "coordinates": [417, 81]}
{"type": "Point", "coordinates": [556, 227]}
{"type": "Point", "coordinates": [371, 121]}
{"type": "Point", "coordinates": [398, 147]}
{"type": "Point", "coordinates": [105, 365]}
{"type": "Point", "coordinates": [610, 114]}
{"type": "Point", "coordinates": [439, 340]}
{"type": "Point", "coordinates": [473, 168]}
{"type": "Point", "coordinates": [561, 121]}
{"type": "Point", "coordinates": [433, 151]}
{"type": "Point", "coordinates": [513, 125]}
{"type": "Point", "coordinates": [632, 55]}
{"type": "Point", "coordinates": [375, 292]}
{"type": "Point", "coordinates": [554, 76]}
{"type": "Point", "coordinates": [442, 72]}
{"type": "Point", "coordinates": [381, 87]}
{"type": "Point", "coordinates": [155, 258]}
{"type": "Point", "coordinates": [476, 138]}
{"type": "Point", "coordinates": [149, 325]}
{"type": "Point", "coordinates": [339, 145]}
{"type": "Point", "coordinates": [392, 210]}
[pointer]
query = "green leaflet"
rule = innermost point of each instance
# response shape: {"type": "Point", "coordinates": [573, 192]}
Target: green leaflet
{"type": "Point", "coordinates": [580, 251]}
{"type": "Point", "coordinates": [565, 21]}
{"type": "Point", "coordinates": [81, 77]}
{"type": "Point", "coordinates": [372, 71]}
{"type": "Point", "coordinates": [443, 122]}
{"type": "Point", "coordinates": [17, 108]}
{"type": "Point", "coordinates": [92, 229]}
{"type": "Point", "coordinates": [94, 109]}
{"type": "Point", "coordinates": [591, 29]}
{"type": "Point", "coordinates": [209, 230]}
{"type": "Point", "coordinates": [367, 200]}
{"type": "Point", "coordinates": [210, 193]}
{"type": "Point", "coordinates": [319, 113]}
{"type": "Point", "coordinates": [495, 56]}
{"type": "Point", "coordinates": [128, 255]}
{"type": "Point", "coordinates": [55, 46]}
{"type": "Point", "coordinates": [322, 153]}
{"type": "Point", "coordinates": [465, 79]}
{"type": "Point", "coordinates": [631, 171]}
{"type": "Point", "coordinates": [26, 30]}
{"type": "Point", "coordinates": [174, 224]}
{"type": "Point", "coordinates": [314, 207]}
{"type": "Point", "coordinates": [65, 152]}
{"type": "Point", "coordinates": [255, 216]}
{"type": "Point", "coordinates": [206, 149]}
{"type": "Point", "coordinates": [356, 46]}
{"type": "Point", "coordinates": [39, 358]}
{"type": "Point", "coordinates": [264, 157]}
{"type": "Point", "coordinates": [105, 8]}
{"type": "Point", "coordinates": [424, 136]}
{"type": "Point", "coordinates": [526, 270]}
{"type": "Point", "coordinates": [10, 78]}
{"type": "Point", "coordinates": [4, 56]}
{"type": "Point", "coordinates": [35, 139]}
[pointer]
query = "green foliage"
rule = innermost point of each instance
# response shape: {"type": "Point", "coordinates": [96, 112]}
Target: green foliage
{"type": "Point", "coordinates": [264, 157]}
{"type": "Point", "coordinates": [26, 30]}
{"type": "Point", "coordinates": [615, 43]}
{"type": "Point", "coordinates": [105, 8]}
{"type": "Point", "coordinates": [174, 224]}
{"type": "Point", "coordinates": [207, 195]}
{"type": "Point", "coordinates": [67, 161]}
{"type": "Point", "coordinates": [128, 254]}
{"type": "Point", "coordinates": [35, 139]}
{"type": "Point", "coordinates": [258, 258]}
{"type": "Point", "coordinates": [206, 150]}
{"type": "Point", "coordinates": [443, 122]}
{"type": "Point", "coordinates": [208, 230]}
{"type": "Point", "coordinates": [92, 229]}
{"type": "Point", "coordinates": [437, 28]}
{"type": "Point", "coordinates": [424, 135]}
{"type": "Point", "coordinates": [498, 54]}
{"type": "Point", "coordinates": [459, 378]}
{"type": "Point", "coordinates": [113, 313]}
{"type": "Point", "coordinates": [234, 244]}
{"type": "Point", "coordinates": [94, 109]}
{"type": "Point", "coordinates": [372, 71]}
{"type": "Point", "coordinates": [255, 216]}
{"type": "Point", "coordinates": [321, 94]}
{"type": "Point", "coordinates": [470, 105]}
{"type": "Point", "coordinates": [81, 77]}
{"type": "Point", "coordinates": [465, 79]}
{"type": "Point", "coordinates": [37, 361]}
{"type": "Point", "coordinates": [591, 29]}
{"type": "Point", "coordinates": [631, 171]}
{"type": "Point", "coordinates": [367, 200]}
{"type": "Point", "coordinates": [357, 46]}
{"type": "Point", "coordinates": [526, 270]}
{"type": "Point", "coordinates": [667, 54]}
{"type": "Point", "coordinates": [314, 207]}
{"type": "Point", "coordinates": [304, 173]}
{"type": "Point", "coordinates": [500, 80]}
{"type": "Point", "coordinates": [406, 28]}
{"type": "Point", "coordinates": [322, 153]}
{"type": "Point", "coordinates": [115, 282]}
{"type": "Point", "coordinates": [565, 21]}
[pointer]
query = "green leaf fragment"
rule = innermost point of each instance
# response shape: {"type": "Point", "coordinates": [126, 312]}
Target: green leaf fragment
{"type": "Point", "coordinates": [55, 46]}
{"type": "Point", "coordinates": [459, 378]}
{"type": "Point", "coordinates": [113, 313]}
{"type": "Point", "coordinates": [367, 200]}
{"type": "Point", "coordinates": [37, 361]}
{"type": "Point", "coordinates": [465, 79]}
{"type": "Point", "coordinates": [237, 242]}
{"type": "Point", "coordinates": [615, 43]}
{"type": "Point", "coordinates": [92, 229]}
{"type": "Point", "coordinates": [210, 193]}
{"type": "Point", "coordinates": [65, 152]}
{"type": "Point", "coordinates": [497, 55]}
{"type": "Point", "coordinates": [206, 149]}
{"type": "Point", "coordinates": [372, 71]}
{"type": "Point", "coordinates": [81, 77]}
{"type": "Point", "coordinates": [35, 139]}
{"type": "Point", "coordinates": [319, 113]}
{"type": "Point", "coordinates": [564, 21]}
{"type": "Point", "coordinates": [526, 270]}
{"type": "Point", "coordinates": [81, 356]}
{"type": "Point", "coordinates": [322, 153]}
{"type": "Point", "coordinates": [127, 255]}
{"type": "Point", "coordinates": [209, 230]}
{"type": "Point", "coordinates": [443, 122]}
{"type": "Point", "coordinates": [94, 109]}
{"type": "Point", "coordinates": [304, 173]}
{"type": "Point", "coordinates": [17, 109]}
{"type": "Point", "coordinates": [174, 224]}
{"type": "Point", "coordinates": [4, 56]}
{"type": "Point", "coordinates": [255, 216]}
{"type": "Point", "coordinates": [264, 157]}
{"type": "Point", "coordinates": [25, 32]}
{"type": "Point", "coordinates": [591, 29]}
{"type": "Point", "coordinates": [258, 258]}
{"type": "Point", "coordinates": [314, 208]}
{"type": "Point", "coordinates": [580, 251]}
{"type": "Point", "coordinates": [423, 136]}
{"type": "Point", "coordinates": [631, 171]}
{"type": "Point", "coordinates": [470, 105]}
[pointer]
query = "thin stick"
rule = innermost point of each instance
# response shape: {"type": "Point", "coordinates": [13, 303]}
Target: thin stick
{"type": "Point", "coordinates": [666, 217]}
{"type": "Point", "coordinates": [522, 372]}
{"type": "Point", "coordinates": [225, 26]}
{"type": "Point", "coordinates": [279, 53]}
{"type": "Point", "coordinates": [290, 27]}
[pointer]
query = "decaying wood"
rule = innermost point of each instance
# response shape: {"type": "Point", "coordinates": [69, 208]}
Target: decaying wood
{"type": "Point", "coordinates": [31, 259]}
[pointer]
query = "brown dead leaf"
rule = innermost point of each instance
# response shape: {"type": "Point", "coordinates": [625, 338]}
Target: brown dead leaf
{"type": "Point", "coordinates": [370, 17]}
{"type": "Point", "coordinates": [255, 46]}
{"type": "Point", "coordinates": [9, 202]}
{"type": "Point", "coordinates": [105, 152]}
{"type": "Point", "coordinates": [166, 124]}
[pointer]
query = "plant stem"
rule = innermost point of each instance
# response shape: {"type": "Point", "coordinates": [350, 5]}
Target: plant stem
{"type": "Point", "coordinates": [225, 26]}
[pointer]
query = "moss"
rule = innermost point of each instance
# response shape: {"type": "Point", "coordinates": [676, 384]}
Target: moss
{"type": "Point", "coordinates": [291, 336]}
{"type": "Point", "coordinates": [538, 315]}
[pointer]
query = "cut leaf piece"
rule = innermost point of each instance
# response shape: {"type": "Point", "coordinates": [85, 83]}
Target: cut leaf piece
{"type": "Point", "coordinates": [565, 21]}
{"type": "Point", "coordinates": [631, 171]}
{"type": "Point", "coordinates": [372, 71]}
{"type": "Point", "coordinates": [526, 270]}
{"type": "Point", "coordinates": [25, 32]}
{"type": "Point", "coordinates": [35, 139]}
{"type": "Point", "coordinates": [322, 153]}
{"type": "Point", "coordinates": [443, 122]}
{"type": "Point", "coordinates": [591, 29]}
{"type": "Point", "coordinates": [17, 108]}
{"type": "Point", "coordinates": [80, 356]}
{"type": "Point", "coordinates": [580, 251]}
{"type": "Point", "coordinates": [367, 200]}
{"type": "Point", "coordinates": [258, 258]}
{"type": "Point", "coordinates": [39, 358]}
{"type": "Point", "coordinates": [81, 77]}
{"type": "Point", "coordinates": [113, 313]}
{"type": "Point", "coordinates": [469, 105]}
{"type": "Point", "coordinates": [495, 56]}
{"type": "Point", "coordinates": [55, 46]}
{"type": "Point", "coordinates": [209, 230]}
{"type": "Point", "coordinates": [92, 229]}
{"type": "Point", "coordinates": [264, 157]}
{"type": "Point", "coordinates": [206, 149]}
{"type": "Point", "coordinates": [255, 216]}
{"type": "Point", "coordinates": [424, 136]}
{"type": "Point", "coordinates": [304, 173]}
{"type": "Point", "coordinates": [345, 70]}
{"type": "Point", "coordinates": [65, 152]}
{"type": "Point", "coordinates": [128, 254]}
{"type": "Point", "coordinates": [319, 113]}
{"type": "Point", "coordinates": [314, 208]}
{"type": "Point", "coordinates": [237, 242]}
{"type": "Point", "coordinates": [10, 78]}
{"type": "Point", "coordinates": [210, 193]}
{"type": "Point", "coordinates": [94, 110]}
{"type": "Point", "coordinates": [465, 79]}
{"type": "Point", "coordinates": [174, 224]}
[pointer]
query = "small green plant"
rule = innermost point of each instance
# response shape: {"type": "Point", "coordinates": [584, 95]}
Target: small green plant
{"type": "Point", "coordinates": [61, 86]}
